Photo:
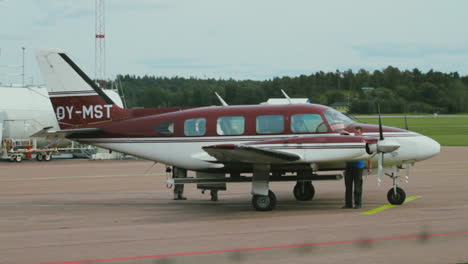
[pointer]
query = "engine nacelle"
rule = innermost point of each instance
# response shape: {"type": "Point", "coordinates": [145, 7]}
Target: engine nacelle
{"type": "Point", "coordinates": [387, 146]}
{"type": "Point", "coordinates": [382, 146]}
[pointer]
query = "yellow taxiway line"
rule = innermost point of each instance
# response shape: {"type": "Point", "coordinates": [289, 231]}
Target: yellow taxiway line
{"type": "Point", "coordinates": [388, 206]}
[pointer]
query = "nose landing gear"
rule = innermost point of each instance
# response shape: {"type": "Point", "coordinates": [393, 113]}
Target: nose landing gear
{"type": "Point", "coordinates": [396, 195]}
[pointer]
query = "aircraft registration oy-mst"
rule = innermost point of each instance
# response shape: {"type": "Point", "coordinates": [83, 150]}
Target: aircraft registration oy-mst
{"type": "Point", "coordinates": [288, 142]}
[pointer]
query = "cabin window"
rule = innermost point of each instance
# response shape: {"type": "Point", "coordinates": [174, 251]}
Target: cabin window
{"type": "Point", "coordinates": [230, 125]}
{"type": "Point", "coordinates": [307, 123]}
{"type": "Point", "coordinates": [270, 124]}
{"type": "Point", "coordinates": [165, 128]}
{"type": "Point", "coordinates": [195, 127]}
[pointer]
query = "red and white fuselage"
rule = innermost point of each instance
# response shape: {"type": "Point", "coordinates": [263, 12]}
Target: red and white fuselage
{"type": "Point", "coordinates": [328, 149]}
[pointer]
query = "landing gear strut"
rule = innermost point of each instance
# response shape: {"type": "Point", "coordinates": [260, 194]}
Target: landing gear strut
{"type": "Point", "coordinates": [214, 195]}
{"type": "Point", "coordinates": [264, 202]}
{"type": "Point", "coordinates": [304, 191]}
{"type": "Point", "coordinates": [396, 195]}
{"type": "Point", "coordinates": [179, 188]}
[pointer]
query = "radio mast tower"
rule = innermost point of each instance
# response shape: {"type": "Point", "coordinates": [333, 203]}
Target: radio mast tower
{"type": "Point", "coordinates": [100, 45]}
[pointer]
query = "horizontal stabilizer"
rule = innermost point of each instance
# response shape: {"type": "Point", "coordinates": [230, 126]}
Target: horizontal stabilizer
{"type": "Point", "coordinates": [249, 154]}
{"type": "Point", "coordinates": [47, 133]}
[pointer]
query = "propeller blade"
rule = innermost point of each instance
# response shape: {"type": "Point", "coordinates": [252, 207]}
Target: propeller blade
{"type": "Point", "coordinates": [406, 122]}
{"type": "Point", "coordinates": [406, 118]}
{"type": "Point", "coordinates": [380, 168]}
{"type": "Point", "coordinates": [380, 123]}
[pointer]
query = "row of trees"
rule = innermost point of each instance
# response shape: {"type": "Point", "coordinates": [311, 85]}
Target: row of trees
{"type": "Point", "coordinates": [396, 91]}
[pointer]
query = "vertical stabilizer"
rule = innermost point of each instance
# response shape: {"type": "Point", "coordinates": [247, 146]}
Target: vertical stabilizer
{"type": "Point", "coordinates": [76, 99]}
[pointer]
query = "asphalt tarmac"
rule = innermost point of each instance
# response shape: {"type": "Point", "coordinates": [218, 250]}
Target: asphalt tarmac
{"type": "Point", "coordinates": [122, 212]}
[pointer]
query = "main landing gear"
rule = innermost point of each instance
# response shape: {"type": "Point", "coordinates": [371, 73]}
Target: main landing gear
{"type": "Point", "coordinates": [264, 202]}
{"type": "Point", "coordinates": [304, 191]}
{"type": "Point", "coordinates": [263, 199]}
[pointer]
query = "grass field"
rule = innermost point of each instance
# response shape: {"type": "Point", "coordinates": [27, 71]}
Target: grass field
{"type": "Point", "coordinates": [448, 131]}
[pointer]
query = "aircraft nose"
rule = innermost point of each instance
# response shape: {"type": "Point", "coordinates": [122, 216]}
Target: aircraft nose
{"type": "Point", "coordinates": [428, 148]}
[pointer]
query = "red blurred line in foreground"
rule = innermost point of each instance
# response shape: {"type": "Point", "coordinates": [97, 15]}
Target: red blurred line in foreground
{"type": "Point", "coordinates": [255, 249]}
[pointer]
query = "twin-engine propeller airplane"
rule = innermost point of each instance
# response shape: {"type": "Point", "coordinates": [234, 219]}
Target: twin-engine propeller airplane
{"type": "Point", "coordinates": [289, 142]}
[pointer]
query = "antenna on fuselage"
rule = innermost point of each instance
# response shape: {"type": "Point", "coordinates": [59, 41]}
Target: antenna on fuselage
{"type": "Point", "coordinates": [221, 99]}
{"type": "Point", "coordinates": [286, 95]}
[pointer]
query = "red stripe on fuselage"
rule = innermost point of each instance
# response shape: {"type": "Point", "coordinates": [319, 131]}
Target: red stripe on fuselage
{"type": "Point", "coordinates": [144, 126]}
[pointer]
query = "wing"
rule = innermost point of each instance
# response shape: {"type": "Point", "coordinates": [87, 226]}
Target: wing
{"type": "Point", "coordinates": [307, 149]}
{"type": "Point", "coordinates": [249, 154]}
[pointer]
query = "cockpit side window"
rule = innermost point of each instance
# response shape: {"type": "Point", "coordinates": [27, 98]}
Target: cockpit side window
{"type": "Point", "coordinates": [337, 120]}
{"type": "Point", "coordinates": [165, 128]}
{"type": "Point", "coordinates": [307, 123]}
{"type": "Point", "coordinates": [195, 127]}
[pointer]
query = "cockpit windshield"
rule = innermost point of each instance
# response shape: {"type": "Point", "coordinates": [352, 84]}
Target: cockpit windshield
{"type": "Point", "coordinates": [337, 120]}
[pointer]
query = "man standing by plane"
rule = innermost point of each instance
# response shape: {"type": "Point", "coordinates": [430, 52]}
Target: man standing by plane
{"type": "Point", "coordinates": [353, 176]}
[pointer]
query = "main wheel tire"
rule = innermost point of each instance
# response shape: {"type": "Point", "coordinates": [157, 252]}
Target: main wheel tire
{"type": "Point", "coordinates": [39, 157]}
{"type": "Point", "coordinates": [47, 157]}
{"type": "Point", "coordinates": [18, 158]}
{"type": "Point", "coordinates": [304, 191]}
{"type": "Point", "coordinates": [264, 203]}
{"type": "Point", "coordinates": [396, 198]}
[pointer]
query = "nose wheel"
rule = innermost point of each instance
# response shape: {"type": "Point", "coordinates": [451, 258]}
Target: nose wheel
{"type": "Point", "coordinates": [304, 191]}
{"type": "Point", "coordinates": [396, 196]}
{"type": "Point", "coordinates": [264, 202]}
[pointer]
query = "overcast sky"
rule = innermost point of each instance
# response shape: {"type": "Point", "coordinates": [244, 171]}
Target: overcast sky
{"type": "Point", "coordinates": [241, 39]}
